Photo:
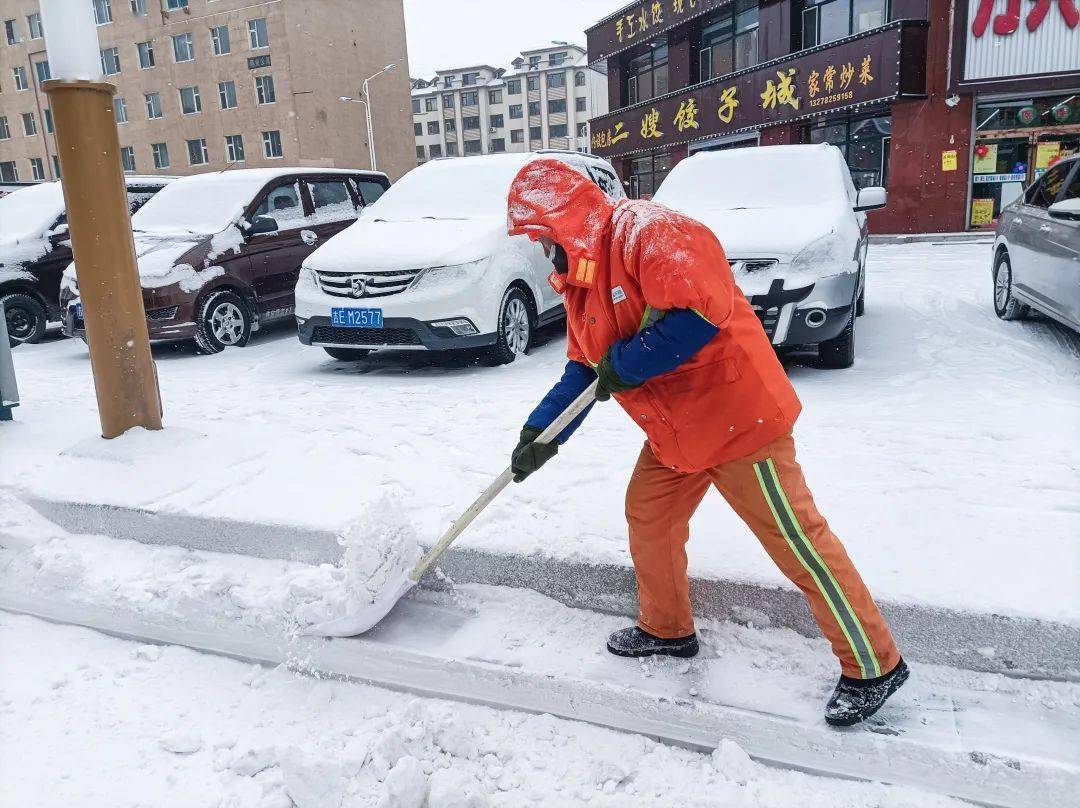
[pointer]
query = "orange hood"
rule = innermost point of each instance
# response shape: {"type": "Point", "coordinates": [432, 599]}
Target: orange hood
{"type": "Point", "coordinates": [551, 199]}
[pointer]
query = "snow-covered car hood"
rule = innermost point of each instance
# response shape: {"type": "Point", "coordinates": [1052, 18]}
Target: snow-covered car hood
{"type": "Point", "coordinates": [159, 258]}
{"type": "Point", "coordinates": [14, 252]}
{"type": "Point", "coordinates": [372, 243]}
{"type": "Point", "coordinates": [774, 232]}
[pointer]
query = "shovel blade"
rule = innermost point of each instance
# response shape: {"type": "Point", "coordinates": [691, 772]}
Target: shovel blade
{"type": "Point", "coordinates": [367, 617]}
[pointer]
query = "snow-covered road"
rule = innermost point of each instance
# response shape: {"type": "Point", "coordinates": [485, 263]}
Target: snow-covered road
{"type": "Point", "coordinates": [945, 459]}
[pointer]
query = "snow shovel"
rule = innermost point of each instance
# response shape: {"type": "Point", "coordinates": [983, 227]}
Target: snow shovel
{"type": "Point", "coordinates": [368, 616]}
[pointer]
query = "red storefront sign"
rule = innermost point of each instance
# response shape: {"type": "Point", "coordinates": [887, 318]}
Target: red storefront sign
{"type": "Point", "coordinates": [852, 72]}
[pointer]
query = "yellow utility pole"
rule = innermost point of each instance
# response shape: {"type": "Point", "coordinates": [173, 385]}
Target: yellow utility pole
{"type": "Point", "coordinates": [99, 222]}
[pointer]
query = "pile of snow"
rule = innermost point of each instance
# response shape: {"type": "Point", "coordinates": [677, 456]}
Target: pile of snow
{"type": "Point", "coordinates": [380, 545]}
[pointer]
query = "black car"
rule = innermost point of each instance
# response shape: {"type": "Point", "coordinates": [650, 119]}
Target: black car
{"type": "Point", "coordinates": [35, 250]}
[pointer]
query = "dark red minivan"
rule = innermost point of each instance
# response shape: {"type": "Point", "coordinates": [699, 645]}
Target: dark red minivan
{"type": "Point", "coordinates": [219, 254]}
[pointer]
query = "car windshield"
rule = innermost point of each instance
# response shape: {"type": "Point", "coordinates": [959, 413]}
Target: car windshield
{"type": "Point", "coordinates": [464, 188]}
{"type": "Point", "coordinates": [203, 205]}
{"type": "Point", "coordinates": [752, 178]}
{"type": "Point", "coordinates": [28, 212]}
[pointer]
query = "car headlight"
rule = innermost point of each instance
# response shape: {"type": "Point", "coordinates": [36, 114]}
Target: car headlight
{"type": "Point", "coordinates": [440, 276]}
{"type": "Point", "coordinates": [308, 277]}
{"type": "Point", "coordinates": [824, 256]}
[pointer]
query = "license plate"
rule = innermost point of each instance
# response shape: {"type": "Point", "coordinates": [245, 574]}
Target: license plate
{"type": "Point", "coordinates": [356, 318]}
{"type": "Point", "coordinates": [78, 310]}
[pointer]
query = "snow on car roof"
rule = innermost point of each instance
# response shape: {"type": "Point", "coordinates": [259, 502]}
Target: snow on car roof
{"type": "Point", "coordinates": [28, 211]}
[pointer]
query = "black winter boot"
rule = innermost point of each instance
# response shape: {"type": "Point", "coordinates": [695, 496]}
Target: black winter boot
{"type": "Point", "coordinates": [633, 642]}
{"type": "Point", "coordinates": [855, 700]}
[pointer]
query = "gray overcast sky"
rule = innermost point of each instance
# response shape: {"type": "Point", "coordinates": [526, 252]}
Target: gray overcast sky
{"type": "Point", "coordinates": [458, 33]}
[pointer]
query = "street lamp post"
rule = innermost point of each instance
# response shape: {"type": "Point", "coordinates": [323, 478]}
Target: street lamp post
{"type": "Point", "coordinates": [365, 99]}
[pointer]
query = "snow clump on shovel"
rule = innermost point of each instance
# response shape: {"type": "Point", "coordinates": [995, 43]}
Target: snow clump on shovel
{"type": "Point", "coordinates": [381, 545]}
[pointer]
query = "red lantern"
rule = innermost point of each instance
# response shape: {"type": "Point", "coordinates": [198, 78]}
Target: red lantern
{"type": "Point", "coordinates": [982, 150]}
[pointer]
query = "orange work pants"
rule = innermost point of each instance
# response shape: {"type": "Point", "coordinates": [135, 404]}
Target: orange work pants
{"type": "Point", "coordinates": [767, 490]}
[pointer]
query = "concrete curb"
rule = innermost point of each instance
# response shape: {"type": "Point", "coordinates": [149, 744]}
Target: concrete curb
{"type": "Point", "coordinates": [975, 237]}
{"type": "Point", "coordinates": [994, 643]}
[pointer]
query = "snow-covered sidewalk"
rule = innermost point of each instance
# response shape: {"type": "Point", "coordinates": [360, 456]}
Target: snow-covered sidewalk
{"type": "Point", "coordinates": [945, 459]}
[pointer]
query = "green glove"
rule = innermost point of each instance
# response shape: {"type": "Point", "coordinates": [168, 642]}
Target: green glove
{"type": "Point", "coordinates": [528, 455]}
{"type": "Point", "coordinates": [608, 381]}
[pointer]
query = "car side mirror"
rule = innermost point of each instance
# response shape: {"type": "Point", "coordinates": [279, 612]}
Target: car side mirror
{"type": "Point", "coordinates": [871, 198]}
{"type": "Point", "coordinates": [262, 224]}
{"type": "Point", "coordinates": [1066, 209]}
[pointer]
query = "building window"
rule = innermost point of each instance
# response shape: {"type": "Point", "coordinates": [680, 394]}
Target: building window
{"type": "Point", "coordinates": [532, 82]}
{"type": "Point", "coordinates": [582, 130]}
{"type": "Point", "coordinates": [175, 5]}
{"type": "Point", "coordinates": [161, 155]}
{"type": "Point", "coordinates": [436, 150]}
{"type": "Point", "coordinates": [473, 147]}
{"type": "Point", "coordinates": [127, 158]}
{"type": "Point", "coordinates": [146, 54]}
{"type": "Point", "coordinates": [448, 100]}
{"type": "Point", "coordinates": [494, 96]}
{"type": "Point", "coordinates": [470, 99]}
{"type": "Point", "coordinates": [556, 105]}
{"type": "Point", "coordinates": [515, 110]}
{"type": "Point", "coordinates": [264, 90]}
{"type": "Point", "coordinates": [647, 75]}
{"type": "Point", "coordinates": [56, 166]}
{"type": "Point", "coordinates": [556, 80]}
{"type": "Point", "coordinates": [864, 143]}
{"type": "Point", "coordinates": [37, 169]}
{"type": "Point", "coordinates": [580, 104]}
{"type": "Point", "coordinates": [557, 130]}
{"type": "Point", "coordinates": [219, 40]}
{"type": "Point", "coordinates": [496, 122]}
{"type": "Point", "coordinates": [416, 106]}
{"type": "Point", "coordinates": [433, 127]}
{"type": "Point", "coordinates": [417, 129]}
{"type": "Point", "coordinates": [430, 104]}
{"type": "Point", "coordinates": [579, 78]}
{"type": "Point", "coordinates": [48, 120]}
{"type": "Point", "coordinates": [110, 61]}
{"type": "Point", "coordinates": [517, 135]}
{"type": "Point", "coordinates": [43, 72]}
{"type": "Point", "coordinates": [33, 22]}
{"type": "Point", "coordinates": [469, 79]}
{"type": "Point", "coordinates": [824, 21]}
{"type": "Point", "coordinates": [138, 8]}
{"type": "Point", "coordinates": [513, 87]}
{"type": "Point", "coordinates": [11, 33]}
{"type": "Point", "coordinates": [729, 41]}
{"type": "Point", "coordinates": [153, 105]}
{"type": "Point", "coordinates": [534, 61]}
{"type": "Point", "coordinates": [257, 33]}
{"type": "Point", "coordinates": [451, 149]}
{"type": "Point", "coordinates": [102, 11]}
{"type": "Point", "coordinates": [470, 122]}
{"type": "Point", "coordinates": [420, 154]}
{"type": "Point", "coordinates": [120, 110]}
{"type": "Point", "coordinates": [534, 109]}
{"type": "Point", "coordinates": [8, 172]}
{"type": "Point", "coordinates": [646, 174]}
{"type": "Point", "coordinates": [197, 154]}
{"type": "Point", "coordinates": [234, 148]}
{"type": "Point", "coordinates": [448, 81]}
{"type": "Point", "coordinates": [5, 130]}
{"type": "Point", "coordinates": [557, 59]}
{"type": "Point", "coordinates": [190, 100]}
{"type": "Point", "coordinates": [449, 125]}
{"type": "Point", "coordinates": [272, 144]}
{"type": "Point", "coordinates": [535, 133]}
{"type": "Point", "coordinates": [29, 124]}
{"type": "Point", "coordinates": [182, 48]}
{"type": "Point", "coordinates": [20, 78]}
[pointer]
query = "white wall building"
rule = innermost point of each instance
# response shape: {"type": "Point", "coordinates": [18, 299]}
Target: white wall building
{"type": "Point", "coordinates": [543, 101]}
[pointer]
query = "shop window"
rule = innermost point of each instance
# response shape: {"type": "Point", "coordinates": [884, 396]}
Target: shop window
{"type": "Point", "coordinates": [646, 174]}
{"type": "Point", "coordinates": [647, 75]}
{"type": "Point", "coordinates": [729, 41]}
{"type": "Point", "coordinates": [825, 21]}
{"type": "Point", "coordinates": [864, 143]}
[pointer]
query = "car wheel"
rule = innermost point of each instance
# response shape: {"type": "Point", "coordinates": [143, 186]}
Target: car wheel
{"type": "Point", "coordinates": [347, 354]}
{"type": "Point", "coordinates": [515, 330]}
{"type": "Point", "coordinates": [25, 318]}
{"type": "Point", "coordinates": [1006, 306]}
{"type": "Point", "coordinates": [224, 322]}
{"type": "Point", "coordinates": [839, 352]}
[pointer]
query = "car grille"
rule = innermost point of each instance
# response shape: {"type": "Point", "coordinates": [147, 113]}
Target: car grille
{"type": "Point", "coordinates": [364, 336]}
{"type": "Point", "coordinates": [769, 318]}
{"type": "Point", "coordinates": [751, 264]}
{"type": "Point", "coordinates": [375, 284]}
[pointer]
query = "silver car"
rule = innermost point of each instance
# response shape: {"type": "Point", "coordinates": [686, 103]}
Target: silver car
{"type": "Point", "coordinates": [1037, 249]}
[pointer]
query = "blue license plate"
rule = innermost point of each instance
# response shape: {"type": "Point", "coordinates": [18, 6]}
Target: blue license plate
{"type": "Point", "coordinates": [356, 318]}
{"type": "Point", "coordinates": [78, 310]}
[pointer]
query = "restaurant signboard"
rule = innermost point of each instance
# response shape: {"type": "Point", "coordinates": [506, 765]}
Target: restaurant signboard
{"type": "Point", "coordinates": [640, 22]}
{"type": "Point", "coordinates": [856, 71]}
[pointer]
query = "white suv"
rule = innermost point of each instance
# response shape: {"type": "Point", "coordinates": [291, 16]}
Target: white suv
{"type": "Point", "coordinates": [431, 267]}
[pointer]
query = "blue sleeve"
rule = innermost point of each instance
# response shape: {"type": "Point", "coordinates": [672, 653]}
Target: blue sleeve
{"type": "Point", "coordinates": [662, 347]}
{"type": "Point", "coordinates": [576, 377]}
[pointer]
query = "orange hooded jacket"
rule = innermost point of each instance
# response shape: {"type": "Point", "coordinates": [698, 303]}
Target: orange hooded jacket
{"type": "Point", "coordinates": [629, 263]}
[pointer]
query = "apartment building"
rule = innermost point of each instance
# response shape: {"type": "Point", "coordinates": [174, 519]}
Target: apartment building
{"type": "Point", "coordinates": [544, 100]}
{"type": "Point", "coordinates": [208, 84]}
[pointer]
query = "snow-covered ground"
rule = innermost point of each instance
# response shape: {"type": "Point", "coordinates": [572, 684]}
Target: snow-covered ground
{"type": "Point", "coordinates": [945, 459]}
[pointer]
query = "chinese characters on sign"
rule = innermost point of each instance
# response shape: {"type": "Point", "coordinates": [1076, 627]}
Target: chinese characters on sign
{"type": "Point", "coordinates": [1009, 22]}
{"type": "Point", "coordinates": [608, 138]}
{"type": "Point", "coordinates": [650, 15]}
